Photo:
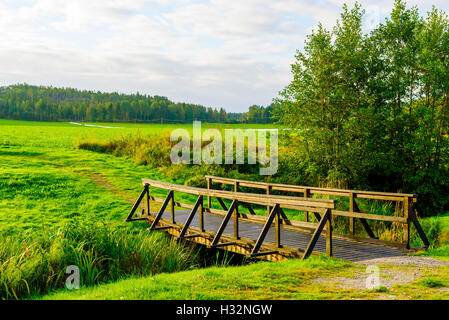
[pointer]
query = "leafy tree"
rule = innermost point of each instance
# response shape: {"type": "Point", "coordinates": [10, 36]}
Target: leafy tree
{"type": "Point", "coordinates": [373, 108]}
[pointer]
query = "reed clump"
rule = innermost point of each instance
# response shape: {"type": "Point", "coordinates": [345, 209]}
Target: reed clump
{"type": "Point", "coordinates": [35, 263]}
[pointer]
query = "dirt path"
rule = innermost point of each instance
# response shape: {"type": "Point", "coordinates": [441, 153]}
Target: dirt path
{"type": "Point", "coordinates": [101, 181]}
{"type": "Point", "coordinates": [392, 271]}
{"type": "Point", "coordinates": [406, 261]}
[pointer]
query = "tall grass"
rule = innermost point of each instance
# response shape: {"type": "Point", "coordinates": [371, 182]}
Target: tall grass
{"type": "Point", "coordinates": [153, 150]}
{"type": "Point", "coordinates": [36, 262]}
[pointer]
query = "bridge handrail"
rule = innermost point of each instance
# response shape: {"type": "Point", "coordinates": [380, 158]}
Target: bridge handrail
{"type": "Point", "coordinates": [392, 196]}
{"type": "Point", "coordinates": [409, 211]}
{"type": "Point", "coordinates": [288, 202]}
{"type": "Point", "coordinates": [322, 209]}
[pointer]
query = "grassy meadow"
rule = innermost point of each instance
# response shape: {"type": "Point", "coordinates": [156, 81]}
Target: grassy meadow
{"type": "Point", "coordinates": [62, 205]}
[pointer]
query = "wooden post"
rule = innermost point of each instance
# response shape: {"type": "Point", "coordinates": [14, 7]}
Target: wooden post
{"type": "Point", "coordinates": [173, 208]}
{"type": "Point", "coordinates": [208, 187]}
{"type": "Point", "coordinates": [329, 234]}
{"type": "Point", "coordinates": [277, 221]}
{"type": "Point", "coordinates": [236, 213]}
{"type": "Point", "coordinates": [148, 199]}
{"type": "Point", "coordinates": [202, 215]}
{"type": "Point", "coordinates": [351, 219]}
{"type": "Point", "coordinates": [306, 213]}
{"type": "Point", "coordinates": [407, 224]}
{"type": "Point", "coordinates": [236, 221]}
{"type": "Point", "coordinates": [268, 207]}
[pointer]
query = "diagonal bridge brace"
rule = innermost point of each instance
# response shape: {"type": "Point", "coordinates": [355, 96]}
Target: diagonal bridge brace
{"type": "Point", "coordinates": [222, 227]}
{"type": "Point", "coordinates": [161, 212]}
{"type": "Point", "coordinates": [130, 218]}
{"type": "Point", "coordinates": [421, 233]}
{"type": "Point", "coordinates": [276, 211]}
{"type": "Point", "coordinates": [325, 219]}
{"type": "Point", "coordinates": [364, 222]}
{"type": "Point", "coordinates": [198, 203]}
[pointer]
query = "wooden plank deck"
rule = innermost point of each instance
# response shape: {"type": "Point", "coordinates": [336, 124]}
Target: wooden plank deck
{"type": "Point", "coordinates": [343, 249]}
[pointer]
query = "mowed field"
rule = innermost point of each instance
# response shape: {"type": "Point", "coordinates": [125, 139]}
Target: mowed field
{"type": "Point", "coordinates": [47, 184]}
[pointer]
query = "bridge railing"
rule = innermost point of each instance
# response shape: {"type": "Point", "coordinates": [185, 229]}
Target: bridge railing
{"type": "Point", "coordinates": [407, 202]}
{"type": "Point", "coordinates": [321, 208]}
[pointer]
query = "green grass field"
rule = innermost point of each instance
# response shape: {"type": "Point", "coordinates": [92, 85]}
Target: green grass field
{"type": "Point", "coordinates": [48, 187]}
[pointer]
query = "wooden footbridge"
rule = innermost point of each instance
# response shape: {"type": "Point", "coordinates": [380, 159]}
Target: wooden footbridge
{"type": "Point", "coordinates": [275, 236]}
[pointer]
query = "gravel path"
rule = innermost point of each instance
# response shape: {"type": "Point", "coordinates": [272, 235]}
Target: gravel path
{"type": "Point", "coordinates": [406, 261]}
{"type": "Point", "coordinates": [392, 270]}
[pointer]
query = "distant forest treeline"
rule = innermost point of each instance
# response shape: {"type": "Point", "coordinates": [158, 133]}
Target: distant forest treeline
{"type": "Point", "coordinates": [40, 103]}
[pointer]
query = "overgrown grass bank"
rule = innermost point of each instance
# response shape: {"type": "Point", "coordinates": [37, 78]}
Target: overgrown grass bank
{"type": "Point", "coordinates": [36, 262]}
{"type": "Point", "coordinates": [262, 280]}
{"type": "Point", "coordinates": [318, 277]}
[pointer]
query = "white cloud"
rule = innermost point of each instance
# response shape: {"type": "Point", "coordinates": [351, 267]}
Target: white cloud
{"type": "Point", "coordinates": [218, 53]}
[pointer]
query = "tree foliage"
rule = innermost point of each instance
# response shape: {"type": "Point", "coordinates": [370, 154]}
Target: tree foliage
{"type": "Point", "coordinates": [373, 108]}
{"type": "Point", "coordinates": [39, 103]}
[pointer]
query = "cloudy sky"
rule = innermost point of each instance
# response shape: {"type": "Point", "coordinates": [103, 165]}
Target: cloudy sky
{"type": "Point", "coordinates": [219, 53]}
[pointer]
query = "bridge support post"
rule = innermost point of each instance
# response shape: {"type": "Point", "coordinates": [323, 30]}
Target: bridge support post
{"type": "Point", "coordinates": [268, 207]}
{"type": "Point", "coordinates": [202, 216]}
{"type": "Point", "coordinates": [329, 234]}
{"type": "Point", "coordinates": [277, 224]}
{"type": "Point", "coordinates": [351, 220]}
{"type": "Point", "coordinates": [407, 224]}
{"type": "Point", "coordinates": [148, 200]}
{"type": "Point", "coordinates": [172, 203]}
{"type": "Point", "coordinates": [306, 213]}
{"type": "Point", "coordinates": [236, 222]}
{"type": "Point", "coordinates": [208, 180]}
